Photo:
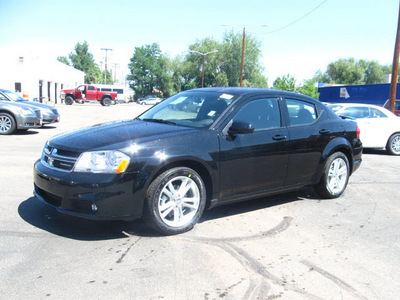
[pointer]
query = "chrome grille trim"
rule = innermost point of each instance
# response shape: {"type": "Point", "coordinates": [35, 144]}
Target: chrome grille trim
{"type": "Point", "coordinates": [52, 159]}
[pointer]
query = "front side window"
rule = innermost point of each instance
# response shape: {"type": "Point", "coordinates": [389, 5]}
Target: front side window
{"type": "Point", "coordinates": [301, 112]}
{"type": "Point", "coordinates": [261, 113]}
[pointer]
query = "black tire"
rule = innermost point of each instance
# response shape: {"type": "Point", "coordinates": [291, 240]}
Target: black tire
{"type": "Point", "coordinates": [68, 100]}
{"type": "Point", "coordinates": [393, 144]}
{"type": "Point", "coordinates": [7, 124]}
{"type": "Point", "coordinates": [168, 211]}
{"type": "Point", "coordinates": [335, 176]}
{"type": "Point", "coordinates": [106, 101]}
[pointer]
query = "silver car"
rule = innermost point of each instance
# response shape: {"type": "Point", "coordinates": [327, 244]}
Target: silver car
{"type": "Point", "coordinates": [17, 116]}
{"type": "Point", "coordinates": [49, 113]}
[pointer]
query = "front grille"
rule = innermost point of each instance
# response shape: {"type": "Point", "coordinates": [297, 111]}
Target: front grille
{"type": "Point", "coordinates": [59, 159]}
{"type": "Point", "coordinates": [38, 114]}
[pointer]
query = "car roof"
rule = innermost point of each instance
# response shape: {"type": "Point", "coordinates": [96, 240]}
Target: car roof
{"type": "Point", "coordinates": [356, 104]}
{"type": "Point", "coordinates": [249, 90]}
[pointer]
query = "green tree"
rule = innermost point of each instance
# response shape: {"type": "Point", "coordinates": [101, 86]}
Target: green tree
{"type": "Point", "coordinates": [212, 61]}
{"type": "Point", "coordinates": [351, 71]}
{"type": "Point", "coordinates": [149, 74]}
{"type": "Point", "coordinates": [83, 60]}
{"type": "Point", "coordinates": [309, 88]}
{"type": "Point", "coordinates": [64, 60]}
{"type": "Point", "coordinates": [232, 56]}
{"type": "Point", "coordinates": [286, 83]}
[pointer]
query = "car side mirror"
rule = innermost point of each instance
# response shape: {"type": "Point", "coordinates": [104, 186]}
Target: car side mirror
{"type": "Point", "coordinates": [239, 127]}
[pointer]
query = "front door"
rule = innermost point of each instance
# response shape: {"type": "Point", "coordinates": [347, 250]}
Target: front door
{"type": "Point", "coordinates": [254, 162]}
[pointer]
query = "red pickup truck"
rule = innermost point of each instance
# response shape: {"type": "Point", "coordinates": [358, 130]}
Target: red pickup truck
{"type": "Point", "coordinates": [88, 92]}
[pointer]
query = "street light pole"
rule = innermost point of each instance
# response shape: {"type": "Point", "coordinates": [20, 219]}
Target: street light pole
{"type": "Point", "coordinates": [204, 60]}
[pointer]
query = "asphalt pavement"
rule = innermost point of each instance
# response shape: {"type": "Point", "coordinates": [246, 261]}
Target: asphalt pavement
{"type": "Point", "coordinates": [291, 246]}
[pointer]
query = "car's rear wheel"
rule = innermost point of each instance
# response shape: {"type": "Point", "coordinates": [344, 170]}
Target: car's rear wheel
{"type": "Point", "coordinates": [106, 101]}
{"type": "Point", "coordinates": [7, 124]}
{"type": "Point", "coordinates": [393, 145]}
{"type": "Point", "coordinates": [175, 201]}
{"type": "Point", "coordinates": [335, 177]}
{"type": "Point", "coordinates": [69, 100]}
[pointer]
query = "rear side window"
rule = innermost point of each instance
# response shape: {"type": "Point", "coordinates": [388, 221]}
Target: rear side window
{"type": "Point", "coordinates": [376, 113]}
{"type": "Point", "coordinates": [90, 88]}
{"type": "Point", "coordinates": [301, 112]}
{"type": "Point", "coordinates": [261, 113]}
{"type": "Point", "coordinates": [356, 112]}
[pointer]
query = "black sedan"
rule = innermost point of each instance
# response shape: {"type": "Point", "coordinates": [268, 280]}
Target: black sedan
{"type": "Point", "coordinates": [169, 165]}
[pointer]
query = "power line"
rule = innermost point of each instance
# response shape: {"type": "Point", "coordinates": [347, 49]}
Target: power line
{"type": "Point", "coordinates": [299, 19]}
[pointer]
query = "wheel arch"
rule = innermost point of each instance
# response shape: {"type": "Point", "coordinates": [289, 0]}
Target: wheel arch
{"type": "Point", "coordinates": [106, 96]}
{"type": "Point", "coordinates": [339, 145]}
{"type": "Point", "coordinates": [196, 166]}
{"type": "Point", "coordinates": [70, 95]}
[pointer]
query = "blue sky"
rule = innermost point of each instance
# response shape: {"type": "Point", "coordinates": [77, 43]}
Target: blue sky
{"type": "Point", "coordinates": [336, 29]}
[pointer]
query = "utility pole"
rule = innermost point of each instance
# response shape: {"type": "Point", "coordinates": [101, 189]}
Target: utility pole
{"type": "Point", "coordinates": [395, 68]}
{"type": "Point", "coordinates": [115, 65]}
{"type": "Point", "coordinates": [105, 73]}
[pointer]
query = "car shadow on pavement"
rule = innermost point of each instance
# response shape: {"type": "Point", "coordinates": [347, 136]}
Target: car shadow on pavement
{"type": "Point", "coordinates": [26, 132]}
{"type": "Point", "coordinates": [375, 151]}
{"type": "Point", "coordinates": [44, 217]}
{"type": "Point", "coordinates": [257, 204]}
{"type": "Point", "coordinates": [48, 127]}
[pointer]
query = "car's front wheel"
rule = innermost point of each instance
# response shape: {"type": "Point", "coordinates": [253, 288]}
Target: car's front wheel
{"type": "Point", "coordinates": [7, 124]}
{"type": "Point", "coordinates": [335, 177]}
{"type": "Point", "coordinates": [175, 201]}
{"type": "Point", "coordinates": [393, 145]}
{"type": "Point", "coordinates": [68, 100]}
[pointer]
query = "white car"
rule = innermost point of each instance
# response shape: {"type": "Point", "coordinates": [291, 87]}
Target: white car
{"type": "Point", "coordinates": [379, 127]}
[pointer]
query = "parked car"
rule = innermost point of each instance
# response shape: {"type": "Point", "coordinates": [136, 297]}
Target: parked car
{"type": "Point", "coordinates": [149, 100]}
{"type": "Point", "coordinates": [49, 113]}
{"type": "Point", "coordinates": [17, 116]}
{"type": "Point", "coordinates": [396, 106]}
{"type": "Point", "coordinates": [380, 128]}
{"type": "Point", "coordinates": [169, 165]}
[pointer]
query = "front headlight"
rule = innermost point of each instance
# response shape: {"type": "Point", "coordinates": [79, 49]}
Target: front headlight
{"type": "Point", "coordinates": [26, 112]}
{"type": "Point", "coordinates": [102, 162]}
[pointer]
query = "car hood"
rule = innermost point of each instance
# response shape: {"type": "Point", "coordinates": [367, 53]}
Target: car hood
{"type": "Point", "coordinates": [115, 135]}
{"type": "Point", "coordinates": [19, 105]}
{"type": "Point", "coordinates": [37, 104]}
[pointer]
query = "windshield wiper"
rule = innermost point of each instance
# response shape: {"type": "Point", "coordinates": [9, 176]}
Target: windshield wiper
{"type": "Point", "coordinates": [159, 121]}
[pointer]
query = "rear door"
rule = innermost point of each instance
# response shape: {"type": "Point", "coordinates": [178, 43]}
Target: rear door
{"type": "Point", "coordinates": [254, 162]}
{"type": "Point", "coordinates": [309, 133]}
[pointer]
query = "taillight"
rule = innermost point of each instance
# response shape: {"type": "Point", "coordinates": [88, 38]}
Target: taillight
{"type": "Point", "coordinates": [358, 132]}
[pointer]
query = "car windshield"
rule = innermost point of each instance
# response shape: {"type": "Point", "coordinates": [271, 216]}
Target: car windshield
{"type": "Point", "coordinates": [193, 109]}
{"type": "Point", "coordinates": [13, 96]}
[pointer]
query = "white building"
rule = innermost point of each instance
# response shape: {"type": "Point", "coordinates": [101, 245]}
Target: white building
{"type": "Point", "coordinates": [38, 78]}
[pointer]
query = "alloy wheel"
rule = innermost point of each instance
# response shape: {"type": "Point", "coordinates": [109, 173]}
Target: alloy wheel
{"type": "Point", "coordinates": [179, 201]}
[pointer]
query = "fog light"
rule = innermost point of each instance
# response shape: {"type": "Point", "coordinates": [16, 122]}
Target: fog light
{"type": "Point", "coordinates": [94, 207]}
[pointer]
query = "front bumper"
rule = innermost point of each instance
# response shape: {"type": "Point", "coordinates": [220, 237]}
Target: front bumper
{"type": "Point", "coordinates": [48, 119]}
{"type": "Point", "coordinates": [26, 122]}
{"type": "Point", "coordinates": [91, 196]}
